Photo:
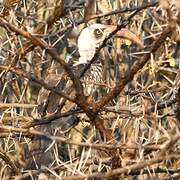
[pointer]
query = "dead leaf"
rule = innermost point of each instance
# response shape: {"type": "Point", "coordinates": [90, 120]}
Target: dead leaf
{"type": "Point", "coordinates": [89, 10]}
{"type": "Point", "coordinates": [11, 3]}
{"type": "Point", "coordinates": [177, 3]}
{"type": "Point", "coordinates": [103, 6]}
{"type": "Point", "coordinates": [164, 4]}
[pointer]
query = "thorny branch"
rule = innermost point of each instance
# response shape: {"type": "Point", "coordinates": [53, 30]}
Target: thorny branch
{"type": "Point", "coordinates": [40, 82]}
{"type": "Point", "coordinates": [131, 146]}
{"type": "Point", "coordinates": [154, 171]}
{"type": "Point", "coordinates": [120, 11]}
{"type": "Point", "coordinates": [167, 144]}
{"type": "Point", "coordinates": [135, 68]}
{"type": "Point", "coordinates": [76, 82]}
{"type": "Point", "coordinates": [127, 169]}
{"type": "Point", "coordinates": [38, 42]}
{"type": "Point", "coordinates": [28, 46]}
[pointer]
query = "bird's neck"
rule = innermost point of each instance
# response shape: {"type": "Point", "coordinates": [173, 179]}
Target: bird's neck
{"type": "Point", "coordinates": [83, 61]}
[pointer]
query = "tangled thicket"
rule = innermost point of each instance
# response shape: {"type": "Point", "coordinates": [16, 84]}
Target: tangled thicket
{"type": "Point", "coordinates": [131, 131]}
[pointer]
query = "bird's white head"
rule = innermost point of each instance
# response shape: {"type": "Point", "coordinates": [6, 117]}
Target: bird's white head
{"type": "Point", "coordinates": [94, 34]}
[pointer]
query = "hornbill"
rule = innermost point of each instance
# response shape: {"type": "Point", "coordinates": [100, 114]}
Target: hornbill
{"type": "Point", "coordinates": [88, 41]}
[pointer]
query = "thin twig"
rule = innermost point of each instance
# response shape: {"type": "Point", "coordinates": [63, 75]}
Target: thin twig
{"type": "Point", "coordinates": [8, 161]}
{"type": "Point", "coordinates": [17, 105]}
{"type": "Point", "coordinates": [40, 82]}
{"type": "Point", "coordinates": [124, 10]}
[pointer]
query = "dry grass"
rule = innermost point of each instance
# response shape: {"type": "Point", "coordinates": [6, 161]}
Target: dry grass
{"type": "Point", "coordinates": [132, 132]}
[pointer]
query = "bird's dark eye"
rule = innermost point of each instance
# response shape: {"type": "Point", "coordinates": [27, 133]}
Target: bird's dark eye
{"type": "Point", "coordinates": [98, 33]}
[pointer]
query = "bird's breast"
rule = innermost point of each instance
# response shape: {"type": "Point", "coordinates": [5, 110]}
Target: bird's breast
{"type": "Point", "coordinates": [92, 79]}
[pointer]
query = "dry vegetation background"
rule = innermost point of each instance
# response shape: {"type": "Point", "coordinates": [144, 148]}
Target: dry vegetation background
{"type": "Point", "coordinates": [132, 131]}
